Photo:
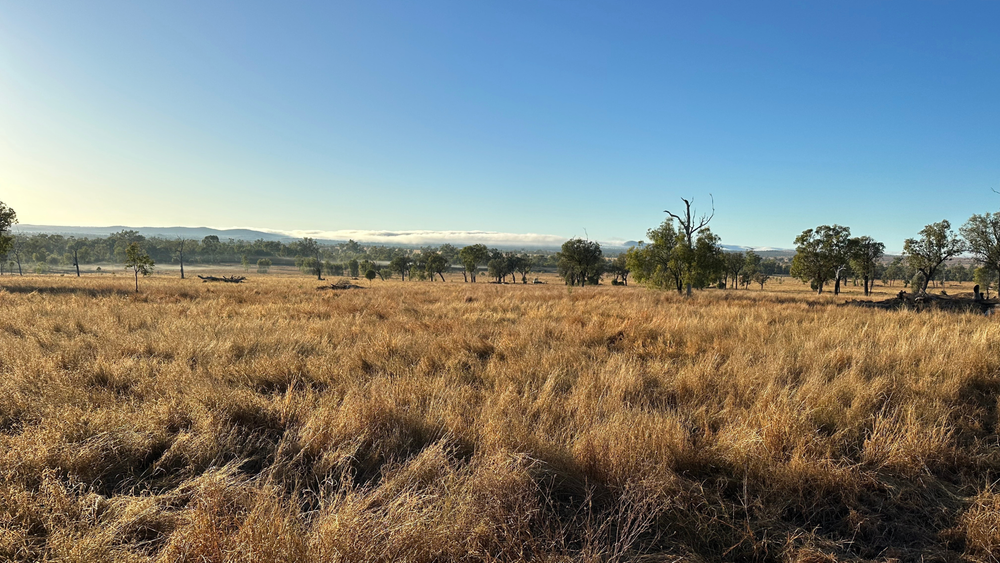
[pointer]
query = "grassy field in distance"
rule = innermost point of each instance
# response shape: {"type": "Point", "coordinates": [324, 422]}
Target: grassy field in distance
{"type": "Point", "coordinates": [420, 421]}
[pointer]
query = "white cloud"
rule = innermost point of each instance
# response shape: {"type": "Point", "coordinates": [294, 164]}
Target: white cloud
{"type": "Point", "coordinates": [429, 237]}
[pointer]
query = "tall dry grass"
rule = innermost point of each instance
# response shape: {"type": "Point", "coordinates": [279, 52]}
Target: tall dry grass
{"type": "Point", "coordinates": [421, 421]}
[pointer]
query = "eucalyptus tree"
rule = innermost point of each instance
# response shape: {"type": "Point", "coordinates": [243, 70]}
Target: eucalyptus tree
{"type": "Point", "coordinates": [982, 236]}
{"type": "Point", "coordinates": [401, 264]}
{"type": "Point", "coordinates": [471, 257]}
{"type": "Point", "coordinates": [751, 267]}
{"type": "Point", "coordinates": [8, 218]}
{"type": "Point", "coordinates": [936, 245]}
{"type": "Point", "coordinates": [655, 263]}
{"type": "Point", "coordinates": [180, 254]}
{"type": "Point", "coordinates": [865, 255]}
{"type": "Point", "coordinates": [735, 262]}
{"type": "Point", "coordinates": [820, 255]}
{"type": "Point", "coordinates": [138, 261]}
{"type": "Point", "coordinates": [308, 250]}
{"type": "Point", "coordinates": [436, 264]}
{"type": "Point", "coordinates": [619, 269]}
{"type": "Point", "coordinates": [689, 225]}
{"type": "Point", "coordinates": [523, 264]}
{"type": "Point", "coordinates": [18, 242]}
{"type": "Point", "coordinates": [581, 261]}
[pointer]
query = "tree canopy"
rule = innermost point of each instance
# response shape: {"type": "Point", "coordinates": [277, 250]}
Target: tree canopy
{"type": "Point", "coordinates": [581, 262]}
{"type": "Point", "coordinates": [138, 261]}
{"type": "Point", "coordinates": [937, 243]}
{"type": "Point", "coordinates": [982, 236]}
{"type": "Point", "coordinates": [820, 253]}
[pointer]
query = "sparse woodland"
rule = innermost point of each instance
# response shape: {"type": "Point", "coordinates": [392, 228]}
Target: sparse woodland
{"type": "Point", "coordinates": [269, 421]}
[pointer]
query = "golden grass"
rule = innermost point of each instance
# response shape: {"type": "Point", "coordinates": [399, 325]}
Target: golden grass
{"type": "Point", "coordinates": [419, 421]}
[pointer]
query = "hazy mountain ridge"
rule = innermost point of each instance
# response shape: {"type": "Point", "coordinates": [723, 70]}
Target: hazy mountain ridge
{"type": "Point", "coordinates": [163, 232]}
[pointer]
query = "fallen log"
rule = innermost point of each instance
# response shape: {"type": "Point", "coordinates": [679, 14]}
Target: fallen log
{"type": "Point", "coordinates": [342, 284]}
{"type": "Point", "coordinates": [230, 279]}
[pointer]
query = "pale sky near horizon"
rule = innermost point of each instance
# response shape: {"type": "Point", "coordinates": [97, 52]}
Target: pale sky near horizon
{"type": "Point", "coordinates": [561, 118]}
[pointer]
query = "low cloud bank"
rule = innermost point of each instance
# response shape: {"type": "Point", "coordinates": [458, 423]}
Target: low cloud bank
{"type": "Point", "coordinates": [489, 238]}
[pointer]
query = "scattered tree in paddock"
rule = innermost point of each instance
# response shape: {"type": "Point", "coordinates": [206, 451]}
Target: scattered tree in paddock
{"type": "Point", "coordinates": [17, 249]}
{"type": "Point", "coordinates": [655, 263]}
{"type": "Point", "coordinates": [308, 251]}
{"type": "Point", "coordinates": [986, 277]}
{"type": "Point", "coordinates": [523, 265]}
{"type": "Point", "coordinates": [820, 254]}
{"type": "Point", "coordinates": [688, 227]}
{"type": "Point", "coordinates": [619, 270]}
{"type": "Point", "coordinates": [751, 267]}
{"type": "Point", "coordinates": [8, 218]}
{"type": "Point", "coordinates": [263, 265]}
{"type": "Point", "coordinates": [73, 248]}
{"type": "Point", "coordinates": [472, 256]}
{"type": "Point", "coordinates": [401, 265]}
{"type": "Point", "coordinates": [761, 278]}
{"type": "Point", "coordinates": [370, 275]}
{"type": "Point", "coordinates": [138, 261]}
{"type": "Point", "coordinates": [865, 255]}
{"type": "Point", "coordinates": [982, 235]}
{"type": "Point", "coordinates": [435, 263]}
{"type": "Point", "coordinates": [734, 262]}
{"type": "Point", "coordinates": [937, 244]}
{"type": "Point", "coordinates": [581, 262]}
{"type": "Point", "coordinates": [180, 256]}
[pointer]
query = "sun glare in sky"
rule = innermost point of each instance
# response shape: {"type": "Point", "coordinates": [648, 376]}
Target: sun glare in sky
{"type": "Point", "coordinates": [550, 118]}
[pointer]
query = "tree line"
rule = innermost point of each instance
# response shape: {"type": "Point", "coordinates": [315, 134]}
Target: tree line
{"type": "Point", "coordinates": [681, 254]}
{"type": "Point", "coordinates": [828, 254]}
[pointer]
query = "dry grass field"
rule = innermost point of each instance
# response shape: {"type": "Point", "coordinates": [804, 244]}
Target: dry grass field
{"type": "Point", "coordinates": [427, 422]}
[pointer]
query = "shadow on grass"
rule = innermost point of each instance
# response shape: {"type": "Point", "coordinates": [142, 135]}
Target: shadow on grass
{"type": "Point", "coordinates": [55, 290]}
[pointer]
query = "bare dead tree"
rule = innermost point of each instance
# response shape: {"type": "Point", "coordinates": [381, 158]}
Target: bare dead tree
{"type": "Point", "coordinates": [691, 225]}
{"type": "Point", "coordinates": [16, 249]}
{"type": "Point", "coordinates": [180, 255]}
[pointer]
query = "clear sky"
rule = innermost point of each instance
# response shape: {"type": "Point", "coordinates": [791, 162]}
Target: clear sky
{"type": "Point", "coordinates": [523, 117]}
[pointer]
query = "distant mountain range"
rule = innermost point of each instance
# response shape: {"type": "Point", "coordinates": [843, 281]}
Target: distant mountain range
{"type": "Point", "coordinates": [163, 232]}
{"type": "Point", "coordinates": [388, 238]}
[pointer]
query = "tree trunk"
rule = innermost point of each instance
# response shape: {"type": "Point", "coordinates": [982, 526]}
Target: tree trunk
{"type": "Point", "coordinates": [465, 276]}
{"type": "Point", "coordinates": [836, 286]}
{"type": "Point", "coordinates": [76, 262]}
{"type": "Point", "coordinates": [19, 272]}
{"type": "Point", "coordinates": [136, 280]}
{"type": "Point", "coordinates": [689, 289]}
{"type": "Point", "coordinates": [182, 264]}
{"type": "Point", "coordinates": [440, 274]}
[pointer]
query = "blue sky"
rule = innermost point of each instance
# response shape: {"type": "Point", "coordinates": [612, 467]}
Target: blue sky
{"type": "Point", "coordinates": [522, 117]}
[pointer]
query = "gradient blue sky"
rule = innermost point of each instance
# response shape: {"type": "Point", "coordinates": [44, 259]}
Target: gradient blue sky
{"type": "Point", "coordinates": [542, 117]}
